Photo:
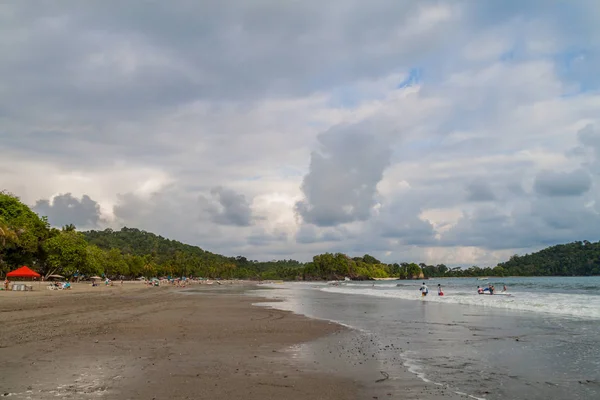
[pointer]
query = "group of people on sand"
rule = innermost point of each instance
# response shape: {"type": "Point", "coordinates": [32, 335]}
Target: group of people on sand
{"type": "Point", "coordinates": [177, 282]}
{"type": "Point", "coordinates": [59, 285]}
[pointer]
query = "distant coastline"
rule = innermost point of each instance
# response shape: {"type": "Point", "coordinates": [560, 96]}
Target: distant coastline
{"type": "Point", "coordinates": [28, 239]}
{"type": "Point", "coordinates": [427, 278]}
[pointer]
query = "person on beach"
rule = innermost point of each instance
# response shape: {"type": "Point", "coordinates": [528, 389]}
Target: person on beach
{"type": "Point", "coordinates": [505, 288]}
{"type": "Point", "coordinates": [479, 290]}
{"type": "Point", "coordinates": [424, 290]}
{"type": "Point", "coordinates": [440, 291]}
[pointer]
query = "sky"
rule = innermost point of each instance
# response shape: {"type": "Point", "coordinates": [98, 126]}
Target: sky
{"type": "Point", "coordinates": [456, 132]}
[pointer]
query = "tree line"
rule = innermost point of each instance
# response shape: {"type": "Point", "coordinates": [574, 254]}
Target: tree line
{"type": "Point", "coordinates": [28, 239]}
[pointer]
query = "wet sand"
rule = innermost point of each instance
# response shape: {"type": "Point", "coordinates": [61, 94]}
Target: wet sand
{"type": "Point", "coordinates": [139, 342]}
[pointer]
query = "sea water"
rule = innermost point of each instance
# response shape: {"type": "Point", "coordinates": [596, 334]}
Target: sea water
{"type": "Point", "coordinates": [543, 341]}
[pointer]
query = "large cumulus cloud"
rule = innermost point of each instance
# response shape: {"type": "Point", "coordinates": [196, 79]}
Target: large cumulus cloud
{"type": "Point", "coordinates": [341, 183]}
{"type": "Point", "coordinates": [64, 209]}
{"type": "Point", "coordinates": [230, 208]}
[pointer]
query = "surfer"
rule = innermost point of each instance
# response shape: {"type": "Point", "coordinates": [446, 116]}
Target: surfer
{"type": "Point", "coordinates": [479, 290]}
{"type": "Point", "coordinates": [424, 289]}
{"type": "Point", "coordinates": [440, 292]}
{"type": "Point", "coordinates": [504, 289]}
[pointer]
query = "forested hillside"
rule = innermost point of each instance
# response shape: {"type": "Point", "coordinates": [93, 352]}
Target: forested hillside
{"type": "Point", "coordinates": [572, 259]}
{"type": "Point", "coordinates": [577, 258]}
{"type": "Point", "coordinates": [28, 239]}
{"type": "Point", "coordinates": [170, 257]}
{"type": "Point", "coordinates": [175, 258]}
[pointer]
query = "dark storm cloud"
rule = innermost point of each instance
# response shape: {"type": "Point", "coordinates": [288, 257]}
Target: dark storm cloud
{"type": "Point", "coordinates": [98, 74]}
{"type": "Point", "coordinates": [232, 209]}
{"type": "Point", "coordinates": [65, 209]}
{"type": "Point", "coordinates": [125, 58]}
{"type": "Point", "coordinates": [341, 183]}
{"type": "Point", "coordinates": [556, 184]}
{"type": "Point", "coordinates": [480, 191]}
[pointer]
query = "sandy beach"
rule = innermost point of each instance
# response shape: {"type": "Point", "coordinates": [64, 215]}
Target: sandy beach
{"type": "Point", "coordinates": [139, 342]}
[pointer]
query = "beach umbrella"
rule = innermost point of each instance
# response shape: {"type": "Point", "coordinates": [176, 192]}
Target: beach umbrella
{"type": "Point", "coordinates": [95, 277]}
{"type": "Point", "coordinates": [56, 276]}
{"type": "Point", "coordinates": [23, 272]}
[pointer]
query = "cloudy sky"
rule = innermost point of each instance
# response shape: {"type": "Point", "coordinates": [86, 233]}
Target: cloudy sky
{"type": "Point", "coordinates": [439, 131]}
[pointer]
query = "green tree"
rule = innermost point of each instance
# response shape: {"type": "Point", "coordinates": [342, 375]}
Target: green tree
{"type": "Point", "coordinates": [7, 235]}
{"type": "Point", "coordinates": [8, 238]}
{"type": "Point", "coordinates": [135, 264]}
{"type": "Point", "coordinates": [413, 271]}
{"type": "Point", "coordinates": [29, 228]}
{"type": "Point", "coordinates": [69, 228]}
{"type": "Point", "coordinates": [95, 261]}
{"type": "Point", "coordinates": [370, 259]}
{"type": "Point", "coordinates": [66, 253]}
{"type": "Point", "coordinates": [115, 264]}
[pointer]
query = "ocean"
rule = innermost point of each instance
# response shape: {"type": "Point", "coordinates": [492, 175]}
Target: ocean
{"type": "Point", "coordinates": [542, 341]}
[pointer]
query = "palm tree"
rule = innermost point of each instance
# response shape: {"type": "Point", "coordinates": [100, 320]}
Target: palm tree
{"type": "Point", "coordinates": [69, 228]}
{"type": "Point", "coordinates": [6, 234]}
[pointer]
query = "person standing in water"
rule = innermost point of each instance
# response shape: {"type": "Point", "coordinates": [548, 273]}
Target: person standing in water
{"type": "Point", "coordinates": [440, 291]}
{"type": "Point", "coordinates": [424, 289]}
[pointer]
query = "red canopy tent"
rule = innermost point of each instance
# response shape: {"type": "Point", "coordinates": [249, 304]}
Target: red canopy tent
{"type": "Point", "coordinates": [23, 272]}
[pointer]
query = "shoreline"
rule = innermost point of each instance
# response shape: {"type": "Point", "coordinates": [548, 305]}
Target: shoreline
{"type": "Point", "coordinates": [449, 345]}
{"type": "Point", "coordinates": [134, 341]}
{"type": "Point", "coordinates": [359, 354]}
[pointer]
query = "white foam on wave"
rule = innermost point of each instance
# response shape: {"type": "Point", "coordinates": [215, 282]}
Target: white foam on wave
{"type": "Point", "coordinates": [571, 305]}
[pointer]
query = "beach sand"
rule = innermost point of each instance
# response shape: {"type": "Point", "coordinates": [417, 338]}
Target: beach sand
{"type": "Point", "coordinates": [139, 342]}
